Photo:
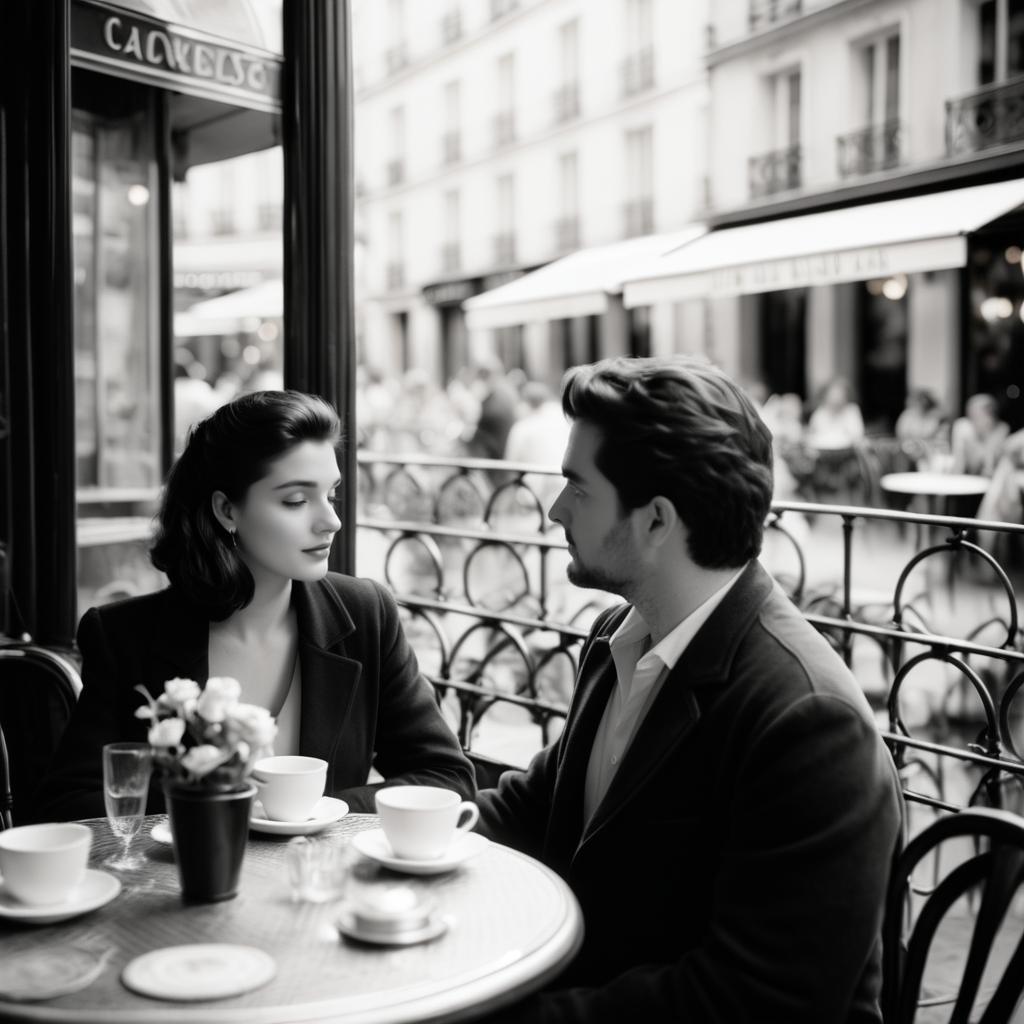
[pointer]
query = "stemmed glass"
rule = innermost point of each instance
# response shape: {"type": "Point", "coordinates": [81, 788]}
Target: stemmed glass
{"type": "Point", "coordinates": [126, 771]}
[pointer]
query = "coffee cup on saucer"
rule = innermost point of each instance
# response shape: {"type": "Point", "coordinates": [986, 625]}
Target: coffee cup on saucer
{"type": "Point", "coordinates": [290, 786]}
{"type": "Point", "coordinates": [420, 822]}
{"type": "Point", "coordinates": [43, 864]}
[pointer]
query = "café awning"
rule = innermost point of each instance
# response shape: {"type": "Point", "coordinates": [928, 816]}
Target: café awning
{"type": "Point", "coordinates": [239, 310]}
{"type": "Point", "coordinates": [856, 243]}
{"type": "Point", "coordinates": [575, 285]}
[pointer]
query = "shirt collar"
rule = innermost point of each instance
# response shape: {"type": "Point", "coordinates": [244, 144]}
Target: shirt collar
{"type": "Point", "coordinates": [634, 630]}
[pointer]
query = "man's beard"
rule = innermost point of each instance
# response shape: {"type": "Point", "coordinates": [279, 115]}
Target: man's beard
{"type": "Point", "coordinates": [604, 575]}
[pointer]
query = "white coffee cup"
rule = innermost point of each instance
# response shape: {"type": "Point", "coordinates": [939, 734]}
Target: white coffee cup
{"type": "Point", "coordinates": [290, 786]}
{"type": "Point", "coordinates": [43, 864]}
{"type": "Point", "coordinates": [421, 821]}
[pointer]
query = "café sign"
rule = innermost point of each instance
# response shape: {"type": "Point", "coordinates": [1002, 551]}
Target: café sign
{"type": "Point", "coordinates": [120, 42]}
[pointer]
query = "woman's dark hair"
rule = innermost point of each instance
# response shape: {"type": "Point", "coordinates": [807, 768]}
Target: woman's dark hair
{"type": "Point", "coordinates": [680, 428]}
{"type": "Point", "coordinates": [228, 451]}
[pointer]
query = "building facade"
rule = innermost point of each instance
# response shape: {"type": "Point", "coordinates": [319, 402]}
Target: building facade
{"type": "Point", "coordinates": [495, 136]}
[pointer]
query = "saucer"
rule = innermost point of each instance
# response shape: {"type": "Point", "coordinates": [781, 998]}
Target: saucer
{"type": "Point", "coordinates": [210, 970]}
{"type": "Point", "coordinates": [325, 813]}
{"type": "Point", "coordinates": [96, 888]}
{"type": "Point", "coordinates": [348, 924]}
{"type": "Point", "coordinates": [161, 833]}
{"type": "Point", "coordinates": [374, 844]}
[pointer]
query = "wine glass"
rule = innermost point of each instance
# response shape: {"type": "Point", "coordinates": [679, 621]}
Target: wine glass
{"type": "Point", "coordinates": [126, 771]}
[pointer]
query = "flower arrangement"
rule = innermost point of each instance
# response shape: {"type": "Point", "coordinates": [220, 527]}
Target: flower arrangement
{"type": "Point", "coordinates": [228, 737]}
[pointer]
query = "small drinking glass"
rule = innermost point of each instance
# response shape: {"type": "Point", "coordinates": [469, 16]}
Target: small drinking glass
{"type": "Point", "coordinates": [126, 771]}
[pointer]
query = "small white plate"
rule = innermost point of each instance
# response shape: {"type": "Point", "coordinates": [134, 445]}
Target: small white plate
{"type": "Point", "coordinates": [374, 844]}
{"type": "Point", "coordinates": [96, 888]}
{"type": "Point", "coordinates": [348, 924]}
{"type": "Point", "coordinates": [161, 833]}
{"type": "Point", "coordinates": [325, 813]}
{"type": "Point", "coordinates": [205, 970]}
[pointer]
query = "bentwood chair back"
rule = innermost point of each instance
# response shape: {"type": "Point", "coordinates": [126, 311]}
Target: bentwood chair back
{"type": "Point", "coordinates": [38, 691]}
{"type": "Point", "coordinates": [6, 799]}
{"type": "Point", "coordinates": [993, 871]}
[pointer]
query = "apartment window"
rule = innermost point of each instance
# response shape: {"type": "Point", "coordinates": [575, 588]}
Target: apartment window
{"type": "Point", "coordinates": [396, 250]}
{"type": "Point", "coordinates": [505, 237]}
{"type": "Point", "coordinates": [779, 169]}
{"type": "Point", "coordinates": [638, 66]}
{"type": "Point", "coordinates": [451, 24]}
{"type": "Point", "coordinates": [765, 13]}
{"type": "Point", "coordinates": [567, 229]}
{"type": "Point", "coordinates": [451, 213]}
{"type": "Point", "coordinates": [504, 121]}
{"type": "Point", "coordinates": [1001, 56]}
{"type": "Point", "coordinates": [639, 209]}
{"type": "Point", "coordinates": [451, 140]}
{"type": "Point", "coordinates": [396, 132]}
{"type": "Point", "coordinates": [499, 8]}
{"type": "Point", "coordinates": [877, 141]}
{"type": "Point", "coordinates": [567, 96]}
{"type": "Point", "coordinates": [396, 56]}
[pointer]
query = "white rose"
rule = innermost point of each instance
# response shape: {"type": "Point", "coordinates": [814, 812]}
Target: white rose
{"type": "Point", "coordinates": [167, 733]}
{"type": "Point", "coordinates": [180, 692]}
{"type": "Point", "coordinates": [201, 760]}
{"type": "Point", "coordinates": [219, 694]}
{"type": "Point", "coordinates": [253, 724]}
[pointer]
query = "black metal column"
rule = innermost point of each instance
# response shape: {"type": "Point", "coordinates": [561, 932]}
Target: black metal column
{"type": "Point", "coordinates": [319, 344]}
{"type": "Point", "coordinates": [37, 271]}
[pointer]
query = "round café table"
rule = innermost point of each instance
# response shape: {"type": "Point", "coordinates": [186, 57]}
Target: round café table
{"type": "Point", "coordinates": [936, 487]}
{"type": "Point", "coordinates": [512, 925]}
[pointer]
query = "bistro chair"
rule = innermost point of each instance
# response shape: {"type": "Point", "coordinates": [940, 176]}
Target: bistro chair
{"type": "Point", "coordinates": [6, 799]}
{"type": "Point", "coordinates": [38, 691]}
{"type": "Point", "coordinates": [993, 870]}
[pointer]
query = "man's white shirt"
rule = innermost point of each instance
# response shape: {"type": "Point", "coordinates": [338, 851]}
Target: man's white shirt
{"type": "Point", "coordinates": [641, 671]}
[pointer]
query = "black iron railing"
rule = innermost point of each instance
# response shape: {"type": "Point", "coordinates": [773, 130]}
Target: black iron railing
{"type": "Point", "coordinates": [480, 573]}
{"type": "Point", "coordinates": [877, 148]}
{"type": "Point", "coordinates": [992, 116]}
{"type": "Point", "coordinates": [777, 171]}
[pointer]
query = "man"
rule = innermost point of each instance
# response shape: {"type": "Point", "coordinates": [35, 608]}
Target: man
{"type": "Point", "coordinates": [720, 800]}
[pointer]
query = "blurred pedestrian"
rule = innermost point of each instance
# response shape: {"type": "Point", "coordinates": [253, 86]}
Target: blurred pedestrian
{"type": "Point", "coordinates": [977, 437]}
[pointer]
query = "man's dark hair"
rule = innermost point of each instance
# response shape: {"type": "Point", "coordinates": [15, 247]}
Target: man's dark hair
{"type": "Point", "coordinates": [680, 428]}
{"type": "Point", "coordinates": [228, 451]}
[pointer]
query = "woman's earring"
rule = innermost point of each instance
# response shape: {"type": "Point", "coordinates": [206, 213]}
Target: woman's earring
{"type": "Point", "coordinates": [233, 534]}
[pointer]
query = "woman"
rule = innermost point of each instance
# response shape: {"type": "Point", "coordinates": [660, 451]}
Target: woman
{"type": "Point", "coordinates": [244, 532]}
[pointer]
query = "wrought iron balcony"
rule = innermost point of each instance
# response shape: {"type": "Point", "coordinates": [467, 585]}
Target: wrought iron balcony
{"type": "Point", "coordinates": [567, 233]}
{"type": "Point", "coordinates": [567, 102]}
{"type": "Point", "coordinates": [465, 546]}
{"type": "Point", "coordinates": [638, 217]}
{"type": "Point", "coordinates": [992, 116]}
{"type": "Point", "coordinates": [638, 72]}
{"type": "Point", "coordinates": [877, 148]}
{"type": "Point", "coordinates": [504, 128]}
{"type": "Point", "coordinates": [777, 171]}
{"type": "Point", "coordinates": [505, 248]}
{"type": "Point", "coordinates": [764, 13]}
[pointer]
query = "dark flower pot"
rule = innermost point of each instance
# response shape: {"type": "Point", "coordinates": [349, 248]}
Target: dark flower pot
{"type": "Point", "coordinates": [210, 829]}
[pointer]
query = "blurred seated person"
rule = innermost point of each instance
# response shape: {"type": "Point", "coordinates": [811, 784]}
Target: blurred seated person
{"type": "Point", "coordinates": [244, 533]}
{"type": "Point", "coordinates": [921, 431]}
{"type": "Point", "coordinates": [836, 422]}
{"type": "Point", "coordinates": [794, 460]}
{"type": "Point", "coordinates": [1002, 501]}
{"type": "Point", "coordinates": [978, 436]}
{"type": "Point", "coordinates": [834, 430]}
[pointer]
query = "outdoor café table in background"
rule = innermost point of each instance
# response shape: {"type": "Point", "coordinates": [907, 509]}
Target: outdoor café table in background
{"type": "Point", "coordinates": [512, 925]}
